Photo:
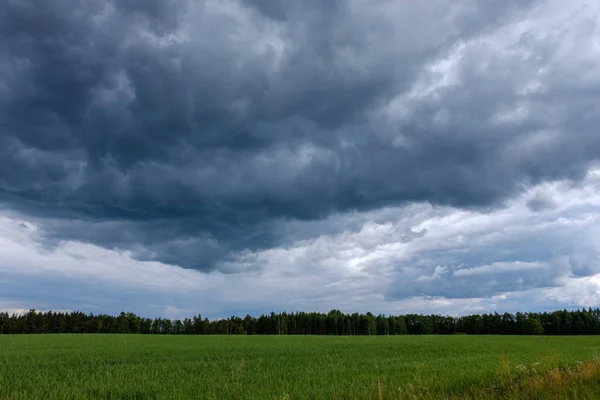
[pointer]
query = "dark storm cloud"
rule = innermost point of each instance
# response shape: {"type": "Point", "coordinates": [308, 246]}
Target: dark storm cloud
{"type": "Point", "coordinates": [182, 131]}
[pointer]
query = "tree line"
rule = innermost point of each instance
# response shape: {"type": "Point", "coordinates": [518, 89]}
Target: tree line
{"type": "Point", "coordinates": [579, 322]}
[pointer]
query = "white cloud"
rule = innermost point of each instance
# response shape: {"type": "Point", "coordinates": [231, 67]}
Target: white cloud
{"type": "Point", "coordinates": [501, 267]}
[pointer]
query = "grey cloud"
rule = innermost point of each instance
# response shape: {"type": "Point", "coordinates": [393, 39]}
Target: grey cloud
{"type": "Point", "coordinates": [417, 258]}
{"type": "Point", "coordinates": [540, 202]}
{"type": "Point", "coordinates": [479, 281]}
{"type": "Point", "coordinates": [530, 250]}
{"type": "Point", "coordinates": [489, 280]}
{"type": "Point", "coordinates": [185, 131]}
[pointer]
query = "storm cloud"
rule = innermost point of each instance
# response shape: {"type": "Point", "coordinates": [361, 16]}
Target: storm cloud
{"type": "Point", "coordinates": [206, 134]}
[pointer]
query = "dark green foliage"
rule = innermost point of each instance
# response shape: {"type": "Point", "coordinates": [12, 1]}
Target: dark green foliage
{"type": "Point", "coordinates": [532, 326]}
{"type": "Point", "coordinates": [580, 322]}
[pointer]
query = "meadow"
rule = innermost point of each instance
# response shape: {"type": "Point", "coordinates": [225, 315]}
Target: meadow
{"type": "Point", "coordinates": [69, 366]}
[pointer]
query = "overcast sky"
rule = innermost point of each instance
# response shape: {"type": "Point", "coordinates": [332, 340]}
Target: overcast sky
{"type": "Point", "coordinates": [174, 157]}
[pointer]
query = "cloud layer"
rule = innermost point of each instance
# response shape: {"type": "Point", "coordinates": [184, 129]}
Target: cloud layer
{"type": "Point", "coordinates": [415, 258]}
{"type": "Point", "coordinates": [390, 150]}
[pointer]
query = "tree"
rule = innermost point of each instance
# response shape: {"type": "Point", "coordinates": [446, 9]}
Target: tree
{"type": "Point", "coordinates": [532, 326]}
{"type": "Point", "coordinates": [580, 322]}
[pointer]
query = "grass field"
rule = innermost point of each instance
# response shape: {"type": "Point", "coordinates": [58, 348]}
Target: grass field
{"type": "Point", "coordinates": [295, 367]}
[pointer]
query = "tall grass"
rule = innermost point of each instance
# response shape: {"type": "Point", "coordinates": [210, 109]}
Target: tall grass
{"type": "Point", "coordinates": [297, 367]}
{"type": "Point", "coordinates": [543, 380]}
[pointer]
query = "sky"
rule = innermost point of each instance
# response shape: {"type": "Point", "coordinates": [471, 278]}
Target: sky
{"type": "Point", "coordinates": [176, 157]}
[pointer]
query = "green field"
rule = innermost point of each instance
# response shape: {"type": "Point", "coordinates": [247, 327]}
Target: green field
{"type": "Point", "coordinates": [271, 367]}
